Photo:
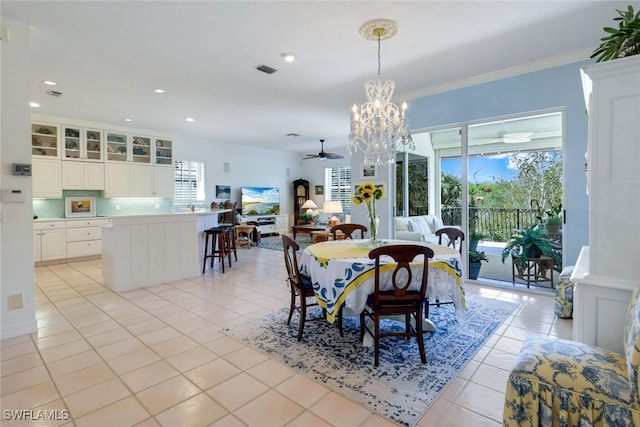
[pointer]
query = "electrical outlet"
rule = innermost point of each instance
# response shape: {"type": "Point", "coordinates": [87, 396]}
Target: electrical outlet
{"type": "Point", "coordinates": [117, 207]}
{"type": "Point", "coordinates": [15, 302]}
{"type": "Point", "coordinates": [157, 206]}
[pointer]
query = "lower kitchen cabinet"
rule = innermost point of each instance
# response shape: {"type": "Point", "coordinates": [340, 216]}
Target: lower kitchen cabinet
{"type": "Point", "coordinates": [84, 237]}
{"type": "Point", "coordinates": [49, 240]}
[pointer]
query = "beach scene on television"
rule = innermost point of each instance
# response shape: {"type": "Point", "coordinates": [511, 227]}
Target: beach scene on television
{"type": "Point", "coordinates": [260, 200]}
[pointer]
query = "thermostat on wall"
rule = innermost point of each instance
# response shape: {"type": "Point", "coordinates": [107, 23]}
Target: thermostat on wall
{"type": "Point", "coordinates": [22, 169]}
{"type": "Point", "coordinates": [13, 195]}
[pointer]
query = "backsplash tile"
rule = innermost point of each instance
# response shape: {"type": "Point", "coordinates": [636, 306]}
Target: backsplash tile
{"type": "Point", "coordinates": [54, 208]}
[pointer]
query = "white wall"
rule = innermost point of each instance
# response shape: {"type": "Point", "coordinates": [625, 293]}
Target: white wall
{"type": "Point", "coordinates": [253, 167]}
{"type": "Point", "coordinates": [16, 228]}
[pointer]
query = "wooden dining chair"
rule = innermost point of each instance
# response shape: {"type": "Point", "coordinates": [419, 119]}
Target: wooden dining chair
{"type": "Point", "coordinates": [300, 285]}
{"type": "Point", "coordinates": [399, 299]}
{"type": "Point", "coordinates": [349, 230]}
{"type": "Point", "coordinates": [455, 235]}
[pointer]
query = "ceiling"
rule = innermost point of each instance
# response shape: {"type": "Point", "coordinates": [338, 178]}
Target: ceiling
{"type": "Point", "coordinates": [108, 57]}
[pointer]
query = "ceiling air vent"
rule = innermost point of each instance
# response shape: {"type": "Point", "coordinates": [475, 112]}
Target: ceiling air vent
{"type": "Point", "coordinates": [293, 134]}
{"type": "Point", "coordinates": [54, 93]}
{"type": "Point", "coordinates": [266, 69]}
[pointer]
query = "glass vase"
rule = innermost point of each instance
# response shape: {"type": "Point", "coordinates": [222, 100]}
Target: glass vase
{"type": "Point", "coordinates": [374, 223]}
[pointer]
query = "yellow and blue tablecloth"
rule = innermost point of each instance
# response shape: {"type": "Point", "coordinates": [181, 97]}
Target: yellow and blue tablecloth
{"type": "Point", "coordinates": [342, 273]}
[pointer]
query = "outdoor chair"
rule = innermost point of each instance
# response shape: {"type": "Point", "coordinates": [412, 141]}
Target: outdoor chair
{"type": "Point", "coordinates": [399, 300]}
{"type": "Point", "coordinates": [349, 230]}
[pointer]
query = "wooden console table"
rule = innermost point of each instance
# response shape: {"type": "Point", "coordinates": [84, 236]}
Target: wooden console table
{"type": "Point", "coordinates": [306, 229]}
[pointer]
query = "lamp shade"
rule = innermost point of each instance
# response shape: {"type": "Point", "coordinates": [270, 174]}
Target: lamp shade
{"type": "Point", "coordinates": [332, 206]}
{"type": "Point", "coordinates": [309, 204]}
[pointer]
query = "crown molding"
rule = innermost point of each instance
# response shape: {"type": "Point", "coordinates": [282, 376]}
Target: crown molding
{"type": "Point", "coordinates": [544, 64]}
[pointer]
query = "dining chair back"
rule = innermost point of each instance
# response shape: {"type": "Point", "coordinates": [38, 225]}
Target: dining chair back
{"type": "Point", "coordinates": [455, 235]}
{"type": "Point", "coordinates": [399, 298]}
{"type": "Point", "coordinates": [300, 285]}
{"type": "Point", "coordinates": [349, 230]}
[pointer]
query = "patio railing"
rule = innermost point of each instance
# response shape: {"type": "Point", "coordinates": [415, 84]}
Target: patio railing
{"type": "Point", "coordinates": [497, 223]}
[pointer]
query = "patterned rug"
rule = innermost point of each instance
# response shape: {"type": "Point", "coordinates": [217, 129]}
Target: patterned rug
{"type": "Point", "coordinates": [275, 242]}
{"type": "Point", "coordinates": [401, 388]}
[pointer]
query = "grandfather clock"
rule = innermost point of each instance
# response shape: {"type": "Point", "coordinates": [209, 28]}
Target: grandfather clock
{"type": "Point", "coordinates": [300, 195]}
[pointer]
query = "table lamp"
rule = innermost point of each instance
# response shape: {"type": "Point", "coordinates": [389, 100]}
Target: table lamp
{"type": "Point", "coordinates": [333, 207]}
{"type": "Point", "coordinates": [309, 205]}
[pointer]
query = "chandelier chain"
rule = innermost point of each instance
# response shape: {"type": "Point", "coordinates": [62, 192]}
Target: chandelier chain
{"type": "Point", "coordinates": [379, 67]}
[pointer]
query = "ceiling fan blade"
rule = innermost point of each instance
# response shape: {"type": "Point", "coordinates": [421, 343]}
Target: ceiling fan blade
{"type": "Point", "coordinates": [333, 156]}
{"type": "Point", "coordinates": [310, 156]}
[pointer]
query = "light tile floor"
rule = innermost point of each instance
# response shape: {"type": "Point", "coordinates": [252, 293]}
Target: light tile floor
{"type": "Point", "coordinates": [155, 356]}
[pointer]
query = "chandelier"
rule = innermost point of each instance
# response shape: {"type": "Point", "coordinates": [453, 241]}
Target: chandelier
{"type": "Point", "coordinates": [379, 124]}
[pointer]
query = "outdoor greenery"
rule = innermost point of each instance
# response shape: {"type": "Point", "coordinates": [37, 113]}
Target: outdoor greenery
{"type": "Point", "coordinates": [622, 41]}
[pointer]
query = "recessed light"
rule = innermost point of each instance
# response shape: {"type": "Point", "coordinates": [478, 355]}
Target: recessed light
{"type": "Point", "coordinates": [189, 119]}
{"type": "Point", "coordinates": [289, 56]}
{"type": "Point", "coordinates": [128, 120]}
{"type": "Point", "coordinates": [158, 90]}
{"type": "Point", "coordinates": [34, 105]}
{"type": "Point", "coordinates": [49, 82]}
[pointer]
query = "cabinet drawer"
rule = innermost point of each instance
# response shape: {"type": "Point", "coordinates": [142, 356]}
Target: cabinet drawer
{"type": "Point", "coordinates": [78, 249]}
{"type": "Point", "coordinates": [83, 234]}
{"type": "Point", "coordinates": [79, 223]}
{"type": "Point", "coordinates": [48, 225]}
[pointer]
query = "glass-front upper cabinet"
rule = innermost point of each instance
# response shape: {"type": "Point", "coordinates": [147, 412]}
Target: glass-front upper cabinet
{"type": "Point", "coordinates": [141, 149]}
{"type": "Point", "coordinates": [44, 140]}
{"type": "Point", "coordinates": [117, 146]}
{"type": "Point", "coordinates": [164, 152]}
{"type": "Point", "coordinates": [82, 144]}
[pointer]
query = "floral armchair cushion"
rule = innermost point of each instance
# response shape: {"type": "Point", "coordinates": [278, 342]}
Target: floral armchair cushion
{"type": "Point", "coordinates": [632, 342]}
{"type": "Point", "coordinates": [565, 383]}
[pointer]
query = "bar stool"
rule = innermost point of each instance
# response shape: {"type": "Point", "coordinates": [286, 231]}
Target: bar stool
{"type": "Point", "coordinates": [231, 240]}
{"type": "Point", "coordinates": [219, 247]}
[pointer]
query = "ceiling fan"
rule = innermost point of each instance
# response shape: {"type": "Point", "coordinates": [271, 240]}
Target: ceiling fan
{"type": "Point", "coordinates": [507, 138]}
{"type": "Point", "coordinates": [322, 155]}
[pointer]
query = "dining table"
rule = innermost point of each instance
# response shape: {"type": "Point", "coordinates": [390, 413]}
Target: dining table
{"type": "Point", "coordinates": [343, 275]}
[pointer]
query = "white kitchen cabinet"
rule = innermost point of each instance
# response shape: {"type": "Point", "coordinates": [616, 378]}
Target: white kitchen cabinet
{"type": "Point", "coordinates": [117, 146]}
{"type": "Point", "coordinates": [84, 237]}
{"type": "Point", "coordinates": [82, 175]}
{"type": "Point", "coordinates": [132, 180]}
{"type": "Point", "coordinates": [81, 144]}
{"type": "Point", "coordinates": [46, 178]}
{"type": "Point", "coordinates": [49, 240]}
{"type": "Point", "coordinates": [116, 180]}
{"type": "Point", "coordinates": [163, 152]}
{"type": "Point", "coordinates": [141, 149]}
{"type": "Point", "coordinates": [163, 180]}
{"type": "Point", "coordinates": [607, 270]}
{"type": "Point", "coordinates": [44, 140]}
{"type": "Point", "coordinates": [141, 178]}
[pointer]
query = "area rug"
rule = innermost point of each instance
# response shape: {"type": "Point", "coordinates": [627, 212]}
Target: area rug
{"type": "Point", "coordinates": [275, 242]}
{"type": "Point", "coordinates": [401, 388]}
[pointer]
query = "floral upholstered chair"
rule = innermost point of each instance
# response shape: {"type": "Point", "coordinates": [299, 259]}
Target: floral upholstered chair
{"type": "Point", "coordinates": [565, 383]}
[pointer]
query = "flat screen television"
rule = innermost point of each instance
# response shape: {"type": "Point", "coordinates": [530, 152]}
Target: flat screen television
{"type": "Point", "coordinates": [260, 200]}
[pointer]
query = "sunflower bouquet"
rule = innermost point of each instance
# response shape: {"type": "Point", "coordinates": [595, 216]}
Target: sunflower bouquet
{"type": "Point", "coordinates": [368, 193]}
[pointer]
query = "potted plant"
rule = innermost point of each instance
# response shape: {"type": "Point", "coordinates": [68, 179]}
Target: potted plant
{"type": "Point", "coordinates": [474, 239]}
{"type": "Point", "coordinates": [305, 218]}
{"type": "Point", "coordinates": [622, 41]}
{"type": "Point", "coordinates": [530, 242]}
{"type": "Point", "coordinates": [554, 219]}
{"type": "Point", "coordinates": [475, 262]}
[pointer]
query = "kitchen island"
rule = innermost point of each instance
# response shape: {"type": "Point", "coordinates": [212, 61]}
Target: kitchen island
{"type": "Point", "coordinates": [147, 250]}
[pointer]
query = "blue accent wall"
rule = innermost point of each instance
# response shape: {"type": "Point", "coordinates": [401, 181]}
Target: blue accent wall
{"type": "Point", "coordinates": [558, 88]}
